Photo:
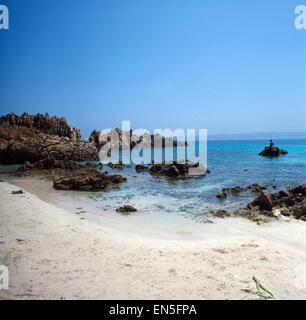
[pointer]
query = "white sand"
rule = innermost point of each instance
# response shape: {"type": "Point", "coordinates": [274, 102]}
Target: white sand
{"type": "Point", "coordinates": [60, 256]}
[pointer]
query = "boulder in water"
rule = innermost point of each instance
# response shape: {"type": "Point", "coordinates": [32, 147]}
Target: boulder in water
{"type": "Point", "coordinates": [272, 152]}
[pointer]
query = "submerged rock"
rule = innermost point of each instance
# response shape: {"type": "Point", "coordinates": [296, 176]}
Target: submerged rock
{"type": "Point", "coordinates": [256, 188]}
{"type": "Point", "coordinates": [222, 195]}
{"type": "Point", "coordinates": [253, 216]}
{"type": "Point", "coordinates": [272, 152]}
{"type": "Point", "coordinates": [92, 181]}
{"type": "Point", "coordinates": [220, 213]}
{"type": "Point", "coordinates": [118, 166]}
{"type": "Point", "coordinates": [141, 168]}
{"type": "Point", "coordinates": [236, 191]}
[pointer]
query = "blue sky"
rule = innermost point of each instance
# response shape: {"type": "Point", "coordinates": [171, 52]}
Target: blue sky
{"type": "Point", "coordinates": [228, 66]}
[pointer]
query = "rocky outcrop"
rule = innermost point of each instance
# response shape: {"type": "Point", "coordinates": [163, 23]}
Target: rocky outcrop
{"type": "Point", "coordinates": [267, 206]}
{"type": "Point", "coordinates": [289, 202]}
{"type": "Point", "coordinates": [57, 167]}
{"type": "Point", "coordinates": [174, 170]}
{"type": "Point", "coordinates": [272, 152]}
{"type": "Point", "coordinates": [35, 138]}
{"type": "Point", "coordinates": [43, 123]}
{"type": "Point", "coordinates": [126, 139]}
{"type": "Point", "coordinates": [89, 181]}
{"type": "Point", "coordinates": [52, 141]}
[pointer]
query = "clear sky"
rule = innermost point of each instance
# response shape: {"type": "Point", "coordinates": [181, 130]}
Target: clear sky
{"type": "Point", "coordinates": [228, 66]}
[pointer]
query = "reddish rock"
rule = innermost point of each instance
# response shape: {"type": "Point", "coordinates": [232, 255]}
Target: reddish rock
{"type": "Point", "coordinates": [35, 138]}
{"type": "Point", "coordinates": [43, 123]}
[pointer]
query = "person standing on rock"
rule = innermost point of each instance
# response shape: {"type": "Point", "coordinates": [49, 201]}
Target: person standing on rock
{"type": "Point", "coordinates": [271, 143]}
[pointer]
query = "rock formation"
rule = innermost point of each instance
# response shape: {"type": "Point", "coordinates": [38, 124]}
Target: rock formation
{"type": "Point", "coordinates": [34, 138]}
{"type": "Point", "coordinates": [89, 181]}
{"type": "Point", "coordinates": [126, 139]}
{"type": "Point", "coordinates": [43, 123]}
{"type": "Point", "coordinates": [174, 170]}
{"type": "Point", "coordinates": [272, 152]}
{"type": "Point", "coordinates": [51, 141]}
{"type": "Point", "coordinates": [289, 202]}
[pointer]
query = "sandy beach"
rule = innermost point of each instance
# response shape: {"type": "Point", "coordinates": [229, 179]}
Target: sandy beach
{"type": "Point", "coordinates": [54, 254]}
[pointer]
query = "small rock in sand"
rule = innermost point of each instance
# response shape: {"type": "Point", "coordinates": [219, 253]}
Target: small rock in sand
{"type": "Point", "coordinates": [126, 209]}
{"type": "Point", "coordinates": [17, 192]}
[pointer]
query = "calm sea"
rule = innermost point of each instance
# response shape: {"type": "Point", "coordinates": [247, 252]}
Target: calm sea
{"type": "Point", "coordinates": [189, 199]}
{"type": "Point", "coordinates": [180, 205]}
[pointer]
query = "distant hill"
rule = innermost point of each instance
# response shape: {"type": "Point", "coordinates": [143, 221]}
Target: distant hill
{"type": "Point", "coordinates": [258, 136]}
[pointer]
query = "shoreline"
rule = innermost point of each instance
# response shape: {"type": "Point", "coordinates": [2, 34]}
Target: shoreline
{"type": "Point", "coordinates": [169, 227]}
{"type": "Point", "coordinates": [59, 256]}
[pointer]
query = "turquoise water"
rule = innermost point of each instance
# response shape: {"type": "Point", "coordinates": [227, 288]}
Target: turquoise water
{"type": "Point", "coordinates": [175, 201]}
{"type": "Point", "coordinates": [181, 206]}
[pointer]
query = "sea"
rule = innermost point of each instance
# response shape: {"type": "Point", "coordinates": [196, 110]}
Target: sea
{"type": "Point", "coordinates": [170, 208]}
